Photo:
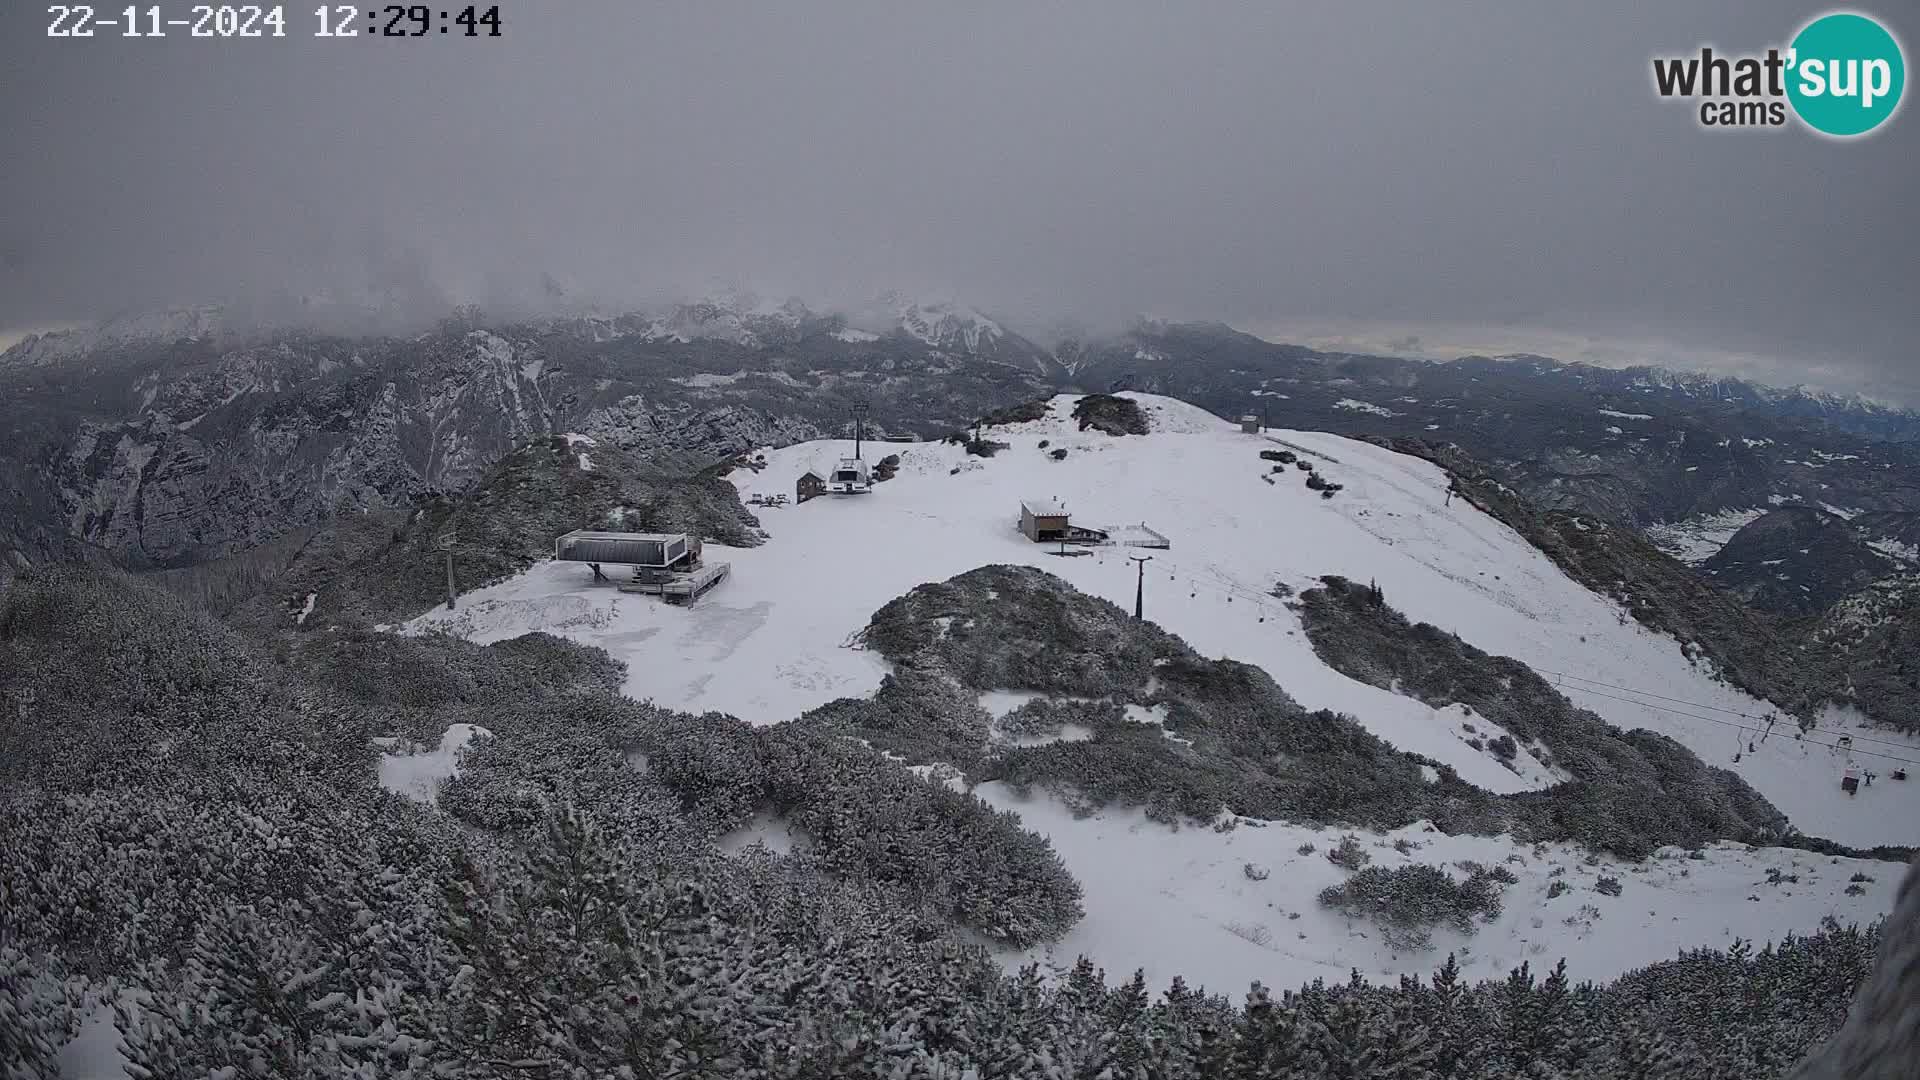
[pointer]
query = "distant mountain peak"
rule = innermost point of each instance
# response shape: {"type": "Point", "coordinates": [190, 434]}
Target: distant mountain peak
{"type": "Point", "coordinates": [174, 324]}
{"type": "Point", "coordinates": [1730, 387]}
{"type": "Point", "coordinates": [943, 324]}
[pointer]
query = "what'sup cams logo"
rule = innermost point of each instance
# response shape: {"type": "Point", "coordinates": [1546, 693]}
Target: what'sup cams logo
{"type": "Point", "coordinates": [1842, 76]}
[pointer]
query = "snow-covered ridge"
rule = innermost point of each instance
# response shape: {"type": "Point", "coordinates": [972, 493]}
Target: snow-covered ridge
{"type": "Point", "coordinates": [781, 636]}
{"type": "Point", "coordinates": [1199, 481]}
{"type": "Point", "coordinates": [54, 346]}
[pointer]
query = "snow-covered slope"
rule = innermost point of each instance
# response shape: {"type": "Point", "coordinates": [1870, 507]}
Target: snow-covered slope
{"type": "Point", "coordinates": [1187, 902]}
{"type": "Point", "coordinates": [1695, 540]}
{"type": "Point", "coordinates": [780, 638]}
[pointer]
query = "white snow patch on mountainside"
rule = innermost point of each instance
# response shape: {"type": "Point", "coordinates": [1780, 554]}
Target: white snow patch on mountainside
{"type": "Point", "coordinates": [781, 637]}
{"type": "Point", "coordinates": [416, 772]}
{"type": "Point", "coordinates": [1625, 415]}
{"type": "Point", "coordinates": [707, 380]}
{"type": "Point", "coordinates": [1694, 540]}
{"type": "Point", "coordinates": [1894, 549]}
{"type": "Point", "coordinates": [1356, 405]}
{"type": "Point", "coordinates": [1181, 903]}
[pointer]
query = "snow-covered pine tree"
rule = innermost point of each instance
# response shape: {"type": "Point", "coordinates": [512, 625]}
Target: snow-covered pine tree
{"type": "Point", "coordinates": [37, 1016]}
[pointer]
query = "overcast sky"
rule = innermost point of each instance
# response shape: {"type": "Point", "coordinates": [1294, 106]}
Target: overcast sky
{"type": "Point", "coordinates": [1350, 165]}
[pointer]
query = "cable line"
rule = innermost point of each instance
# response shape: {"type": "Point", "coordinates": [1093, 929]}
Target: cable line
{"type": "Point", "coordinates": [1730, 723]}
{"type": "Point", "coordinates": [1701, 705]}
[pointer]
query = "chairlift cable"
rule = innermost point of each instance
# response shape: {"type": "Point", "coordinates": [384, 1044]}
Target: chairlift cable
{"type": "Point", "coordinates": [1713, 708]}
{"type": "Point", "coordinates": [1717, 720]}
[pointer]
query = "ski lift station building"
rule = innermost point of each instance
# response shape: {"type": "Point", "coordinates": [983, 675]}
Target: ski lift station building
{"type": "Point", "coordinates": [651, 551]}
{"type": "Point", "coordinates": [1043, 520]}
{"type": "Point", "coordinates": [667, 565]}
{"type": "Point", "coordinates": [850, 476]}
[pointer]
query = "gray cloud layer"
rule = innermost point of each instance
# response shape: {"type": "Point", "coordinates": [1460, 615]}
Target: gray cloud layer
{"type": "Point", "coordinates": [1491, 163]}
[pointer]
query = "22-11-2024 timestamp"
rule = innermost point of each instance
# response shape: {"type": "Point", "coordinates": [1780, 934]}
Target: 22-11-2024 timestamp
{"type": "Point", "coordinates": [258, 21]}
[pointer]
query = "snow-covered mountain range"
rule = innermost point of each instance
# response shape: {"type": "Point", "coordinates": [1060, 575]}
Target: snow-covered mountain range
{"type": "Point", "coordinates": [165, 439]}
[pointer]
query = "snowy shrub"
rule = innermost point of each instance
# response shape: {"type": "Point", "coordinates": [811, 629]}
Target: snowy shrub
{"type": "Point", "coordinates": [564, 913]}
{"type": "Point", "coordinates": [1632, 792]}
{"type": "Point", "coordinates": [1256, 872]}
{"type": "Point", "coordinates": [1504, 748]}
{"type": "Point", "coordinates": [915, 713]}
{"type": "Point", "coordinates": [1409, 901]}
{"type": "Point", "coordinates": [1112, 415]}
{"type": "Point", "coordinates": [1557, 888]}
{"type": "Point", "coordinates": [1059, 454]}
{"type": "Point", "coordinates": [1024, 413]}
{"type": "Point", "coordinates": [37, 1013]}
{"type": "Point", "coordinates": [1305, 849]}
{"type": "Point", "coordinates": [1607, 886]}
{"type": "Point", "coordinates": [1228, 736]}
{"type": "Point", "coordinates": [1860, 877]}
{"type": "Point", "coordinates": [870, 819]}
{"type": "Point", "coordinates": [1856, 890]}
{"type": "Point", "coordinates": [1349, 854]}
{"type": "Point", "coordinates": [1044, 718]}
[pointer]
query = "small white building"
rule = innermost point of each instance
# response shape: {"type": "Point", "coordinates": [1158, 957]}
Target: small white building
{"type": "Point", "coordinates": [1250, 425]}
{"type": "Point", "coordinates": [850, 477]}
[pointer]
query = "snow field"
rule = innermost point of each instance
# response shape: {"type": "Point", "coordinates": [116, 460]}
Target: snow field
{"type": "Point", "coordinates": [782, 637]}
{"type": "Point", "coordinates": [782, 627]}
{"type": "Point", "coordinates": [417, 772]}
{"type": "Point", "coordinates": [1183, 903]}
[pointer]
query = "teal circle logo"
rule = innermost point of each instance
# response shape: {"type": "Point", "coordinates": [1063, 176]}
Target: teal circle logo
{"type": "Point", "coordinates": [1846, 74]}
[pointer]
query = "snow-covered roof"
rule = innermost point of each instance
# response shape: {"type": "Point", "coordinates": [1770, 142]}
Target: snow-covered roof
{"type": "Point", "coordinates": [591, 534]}
{"type": "Point", "coordinates": [1043, 508]}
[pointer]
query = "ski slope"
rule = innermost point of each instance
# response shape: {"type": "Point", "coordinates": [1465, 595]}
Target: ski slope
{"type": "Point", "coordinates": [1183, 903]}
{"type": "Point", "coordinates": [772, 642]}
{"type": "Point", "coordinates": [779, 638]}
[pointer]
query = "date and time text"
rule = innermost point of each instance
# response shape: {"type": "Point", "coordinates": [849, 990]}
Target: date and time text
{"type": "Point", "coordinates": [272, 21]}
